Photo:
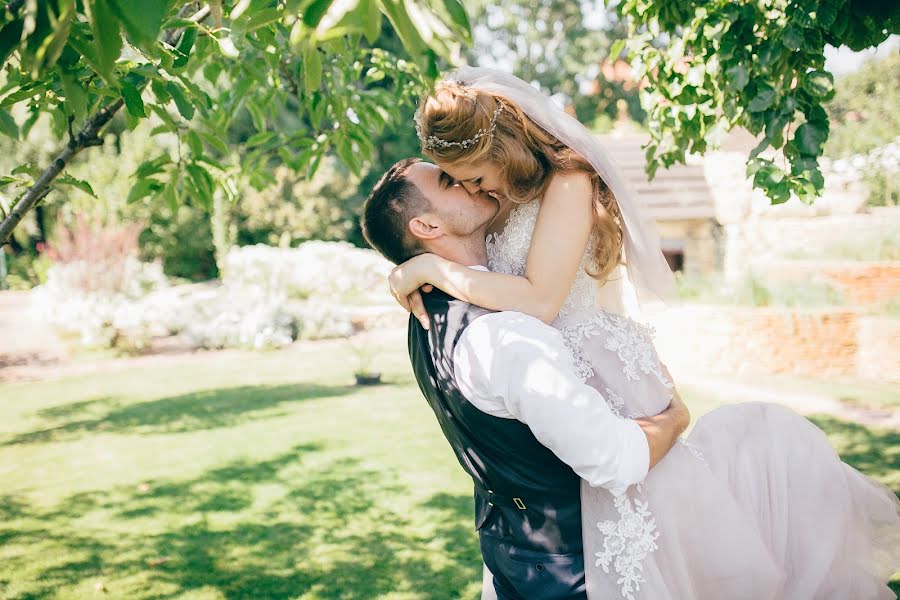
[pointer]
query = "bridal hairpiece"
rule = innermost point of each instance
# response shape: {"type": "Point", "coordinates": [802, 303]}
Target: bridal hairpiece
{"type": "Point", "coordinates": [432, 142]}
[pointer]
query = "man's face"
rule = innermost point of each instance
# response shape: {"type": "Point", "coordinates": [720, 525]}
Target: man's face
{"type": "Point", "coordinates": [482, 177]}
{"type": "Point", "coordinates": [459, 212]}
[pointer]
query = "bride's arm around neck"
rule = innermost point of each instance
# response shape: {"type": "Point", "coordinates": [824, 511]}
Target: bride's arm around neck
{"type": "Point", "coordinates": [561, 234]}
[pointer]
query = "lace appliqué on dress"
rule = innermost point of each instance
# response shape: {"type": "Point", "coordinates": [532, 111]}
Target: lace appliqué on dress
{"type": "Point", "coordinates": [627, 542]}
{"type": "Point", "coordinates": [617, 403]}
{"type": "Point", "coordinates": [628, 339]}
{"type": "Point", "coordinates": [507, 252]}
{"type": "Point", "coordinates": [508, 249]}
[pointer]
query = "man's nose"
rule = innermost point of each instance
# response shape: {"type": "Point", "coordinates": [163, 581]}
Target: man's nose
{"type": "Point", "coordinates": [471, 188]}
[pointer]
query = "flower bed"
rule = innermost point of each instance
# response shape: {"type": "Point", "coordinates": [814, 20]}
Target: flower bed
{"type": "Point", "coordinates": [268, 297]}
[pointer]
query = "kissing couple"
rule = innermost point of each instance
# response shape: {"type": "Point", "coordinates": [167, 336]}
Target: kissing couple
{"type": "Point", "coordinates": [531, 352]}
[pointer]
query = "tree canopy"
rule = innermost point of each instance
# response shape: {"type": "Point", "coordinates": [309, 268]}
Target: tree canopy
{"type": "Point", "coordinates": [313, 76]}
{"type": "Point", "coordinates": [757, 64]}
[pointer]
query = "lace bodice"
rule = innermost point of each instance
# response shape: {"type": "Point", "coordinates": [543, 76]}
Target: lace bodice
{"type": "Point", "coordinates": [615, 355]}
{"type": "Point", "coordinates": [508, 250]}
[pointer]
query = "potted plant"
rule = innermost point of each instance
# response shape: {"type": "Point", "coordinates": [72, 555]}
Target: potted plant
{"type": "Point", "coordinates": [364, 351]}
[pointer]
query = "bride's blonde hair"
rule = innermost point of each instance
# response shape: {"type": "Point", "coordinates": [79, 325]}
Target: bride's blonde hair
{"type": "Point", "coordinates": [527, 155]}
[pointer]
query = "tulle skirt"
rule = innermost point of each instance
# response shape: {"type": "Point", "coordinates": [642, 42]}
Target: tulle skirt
{"type": "Point", "coordinates": [755, 504]}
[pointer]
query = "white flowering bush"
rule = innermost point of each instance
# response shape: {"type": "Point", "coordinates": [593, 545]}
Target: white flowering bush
{"type": "Point", "coordinates": [268, 297]}
{"type": "Point", "coordinates": [333, 272]}
{"type": "Point", "coordinates": [877, 167]}
{"type": "Point", "coordinates": [271, 296]}
{"type": "Point", "coordinates": [102, 303]}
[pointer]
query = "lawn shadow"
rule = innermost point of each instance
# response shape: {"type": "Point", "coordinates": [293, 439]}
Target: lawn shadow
{"type": "Point", "coordinates": [206, 409]}
{"type": "Point", "coordinates": [875, 452]}
{"type": "Point", "coordinates": [276, 528]}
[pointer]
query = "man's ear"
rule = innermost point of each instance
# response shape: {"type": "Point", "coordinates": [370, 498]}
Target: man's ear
{"type": "Point", "coordinates": [425, 227]}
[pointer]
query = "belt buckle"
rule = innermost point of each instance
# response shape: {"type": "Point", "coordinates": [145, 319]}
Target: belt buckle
{"type": "Point", "coordinates": [519, 504]}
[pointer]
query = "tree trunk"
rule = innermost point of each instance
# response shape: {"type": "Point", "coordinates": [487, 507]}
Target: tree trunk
{"type": "Point", "coordinates": [3, 284]}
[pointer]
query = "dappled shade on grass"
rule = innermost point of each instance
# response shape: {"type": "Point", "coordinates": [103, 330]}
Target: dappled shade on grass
{"type": "Point", "coordinates": [198, 481]}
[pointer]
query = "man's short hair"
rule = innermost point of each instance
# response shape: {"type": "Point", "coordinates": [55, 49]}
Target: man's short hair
{"type": "Point", "coordinates": [394, 201]}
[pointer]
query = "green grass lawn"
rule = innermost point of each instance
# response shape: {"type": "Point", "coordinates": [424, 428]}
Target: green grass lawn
{"type": "Point", "coordinates": [245, 475]}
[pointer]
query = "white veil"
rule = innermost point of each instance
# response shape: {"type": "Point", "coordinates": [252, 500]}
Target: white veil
{"type": "Point", "coordinates": [646, 267]}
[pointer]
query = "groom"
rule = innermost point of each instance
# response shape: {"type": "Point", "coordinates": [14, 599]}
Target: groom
{"type": "Point", "coordinates": [501, 384]}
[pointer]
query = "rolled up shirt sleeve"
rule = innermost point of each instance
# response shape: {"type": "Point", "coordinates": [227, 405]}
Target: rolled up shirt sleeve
{"type": "Point", "coordinates": [515, 366]}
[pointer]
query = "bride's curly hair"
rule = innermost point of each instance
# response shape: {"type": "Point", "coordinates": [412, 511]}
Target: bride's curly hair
{"type": "Point", "coordinates": [527, 155]}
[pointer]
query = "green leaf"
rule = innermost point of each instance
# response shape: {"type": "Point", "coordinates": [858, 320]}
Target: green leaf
{"type": "Point", "coordinates": [185, 107]}
{"type": "Point", "coordinates": [763, 144]}
{"type": "Point", "coordinates": [142, 20]}
{"type": "Point", "coordinates": [170, 195]}
{"type": "Point", "coordinates": [810, 137]}
{"type": "Point", "coordinates": [8, 125]}
{"type": "Point", "coordinates": [107, 36]}
{"type": "Point", "coordinates": [141, 189]}
{"type": "Point", "coordinates": [314, 11]}
{"type": "Point", "coordinates": [312, 68]}
{"type": "Point", "coordinates": [5, 180]}
{"type": "Point", "coordinates": [257, 116]}
{"type": "Point", "coordinates": [792, 37]}
{"type": "Point", "coordinates": [75, 97]}
{"type": "Point", "coordinates": [183, 51]}
{"type": "Point", "coordinates": [44, 45]}
{"type": "Point", "coordinates": [263, 18]}
{"type": "Point", "coordinates": [260, 138]}
{"type": "Point", "coordinates": [763, 99]}
{"type": "Point", "coordinates": [29, 122]}
{"type": "Point", "coordinates": [152, 166]}
{"type": "Point", "coordinates": [616, 49]}
{"type": "Point", "coordinates": [10, 38]}
{"type": "Point", "coordinates": [202, 182]}
{"type": "Point", "coordinates": [133, 102]}
{"type": "Point", "coordinates": [160, 91]}
{"type": "Point", "coordinates": [819, 84]}
{"type": "Point", "coordinates": [84, 48]}
{"type": "Point", "coordinates": [162, 113]}
{"type": "Point", "coordinates": [84, 186]}
{"type": "Point", "coordinates": [372, 20]}
{"type": "Point", "coordinates": [194, 143]}
{"type": "Point", "coordinates": [458, 15]}
{"type": "Point", "coordinates": [812, 41]}
{"type": "Point", "coordinates": [215, 140]}
{"type": "Point", "coordinates": [403, 25]}
{"type": "Point", "coordinates": [738, 78]}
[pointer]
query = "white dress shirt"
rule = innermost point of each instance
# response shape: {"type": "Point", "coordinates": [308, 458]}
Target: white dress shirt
{"type": "Point", "coordinates": [514, 366]}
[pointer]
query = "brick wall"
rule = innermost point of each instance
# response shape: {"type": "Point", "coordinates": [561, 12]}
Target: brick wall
{"type": "Point", "coordinates": [764, 239]}
{"type": "Point", "coordinates": [731, 340]}
{"type": "Point", "coordinates": [860, 283]}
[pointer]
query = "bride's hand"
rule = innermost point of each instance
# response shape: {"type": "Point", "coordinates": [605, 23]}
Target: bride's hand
{"type": "Point", "coordinates": [405, 281]}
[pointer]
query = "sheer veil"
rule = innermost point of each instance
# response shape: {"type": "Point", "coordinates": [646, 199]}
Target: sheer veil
{"type": "Point", "coordinates": [647, 270]}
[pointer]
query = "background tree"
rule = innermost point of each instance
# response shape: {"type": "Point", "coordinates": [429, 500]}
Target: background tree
{"type": "Point", "coordinates": [756, 64]}
{"type": "Point", "coordinates": [305, 77]}
{"type": "Point", "coordinates": [558, 45]}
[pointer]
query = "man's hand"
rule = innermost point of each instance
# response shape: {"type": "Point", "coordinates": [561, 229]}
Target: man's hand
{"type": "Point", "coordinates": [405, 281]}
{"type": "Point", "coordinates": [663, 430]}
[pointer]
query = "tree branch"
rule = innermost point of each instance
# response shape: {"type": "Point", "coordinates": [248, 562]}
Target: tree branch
{"type": "Point", "coordinates": [87, 137]}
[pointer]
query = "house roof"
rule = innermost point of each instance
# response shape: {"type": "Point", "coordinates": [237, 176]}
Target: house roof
{"type": "Point", "coordinates": [680, 192]}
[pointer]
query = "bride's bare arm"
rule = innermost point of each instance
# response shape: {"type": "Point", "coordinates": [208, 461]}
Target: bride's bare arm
{"type": "Point", "coordinates": [564, 224]}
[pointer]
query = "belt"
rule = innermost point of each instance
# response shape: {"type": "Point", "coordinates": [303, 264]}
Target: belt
{"type": "Point", "coordinates": [492, 497]}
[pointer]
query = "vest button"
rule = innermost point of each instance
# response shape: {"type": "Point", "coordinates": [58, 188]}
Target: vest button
{"type": "Point", "coordinates": [539, 567]}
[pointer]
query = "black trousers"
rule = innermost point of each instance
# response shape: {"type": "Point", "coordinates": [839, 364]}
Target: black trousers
{"type": "Point", "coordinates": [525, 574]}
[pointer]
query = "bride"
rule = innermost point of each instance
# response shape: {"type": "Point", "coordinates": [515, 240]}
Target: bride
{"type": "Point", "coordinates": [754, 503]}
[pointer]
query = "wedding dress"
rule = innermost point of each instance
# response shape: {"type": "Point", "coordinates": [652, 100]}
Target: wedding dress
{"type": "Point", "coordinates": [754, 504]}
